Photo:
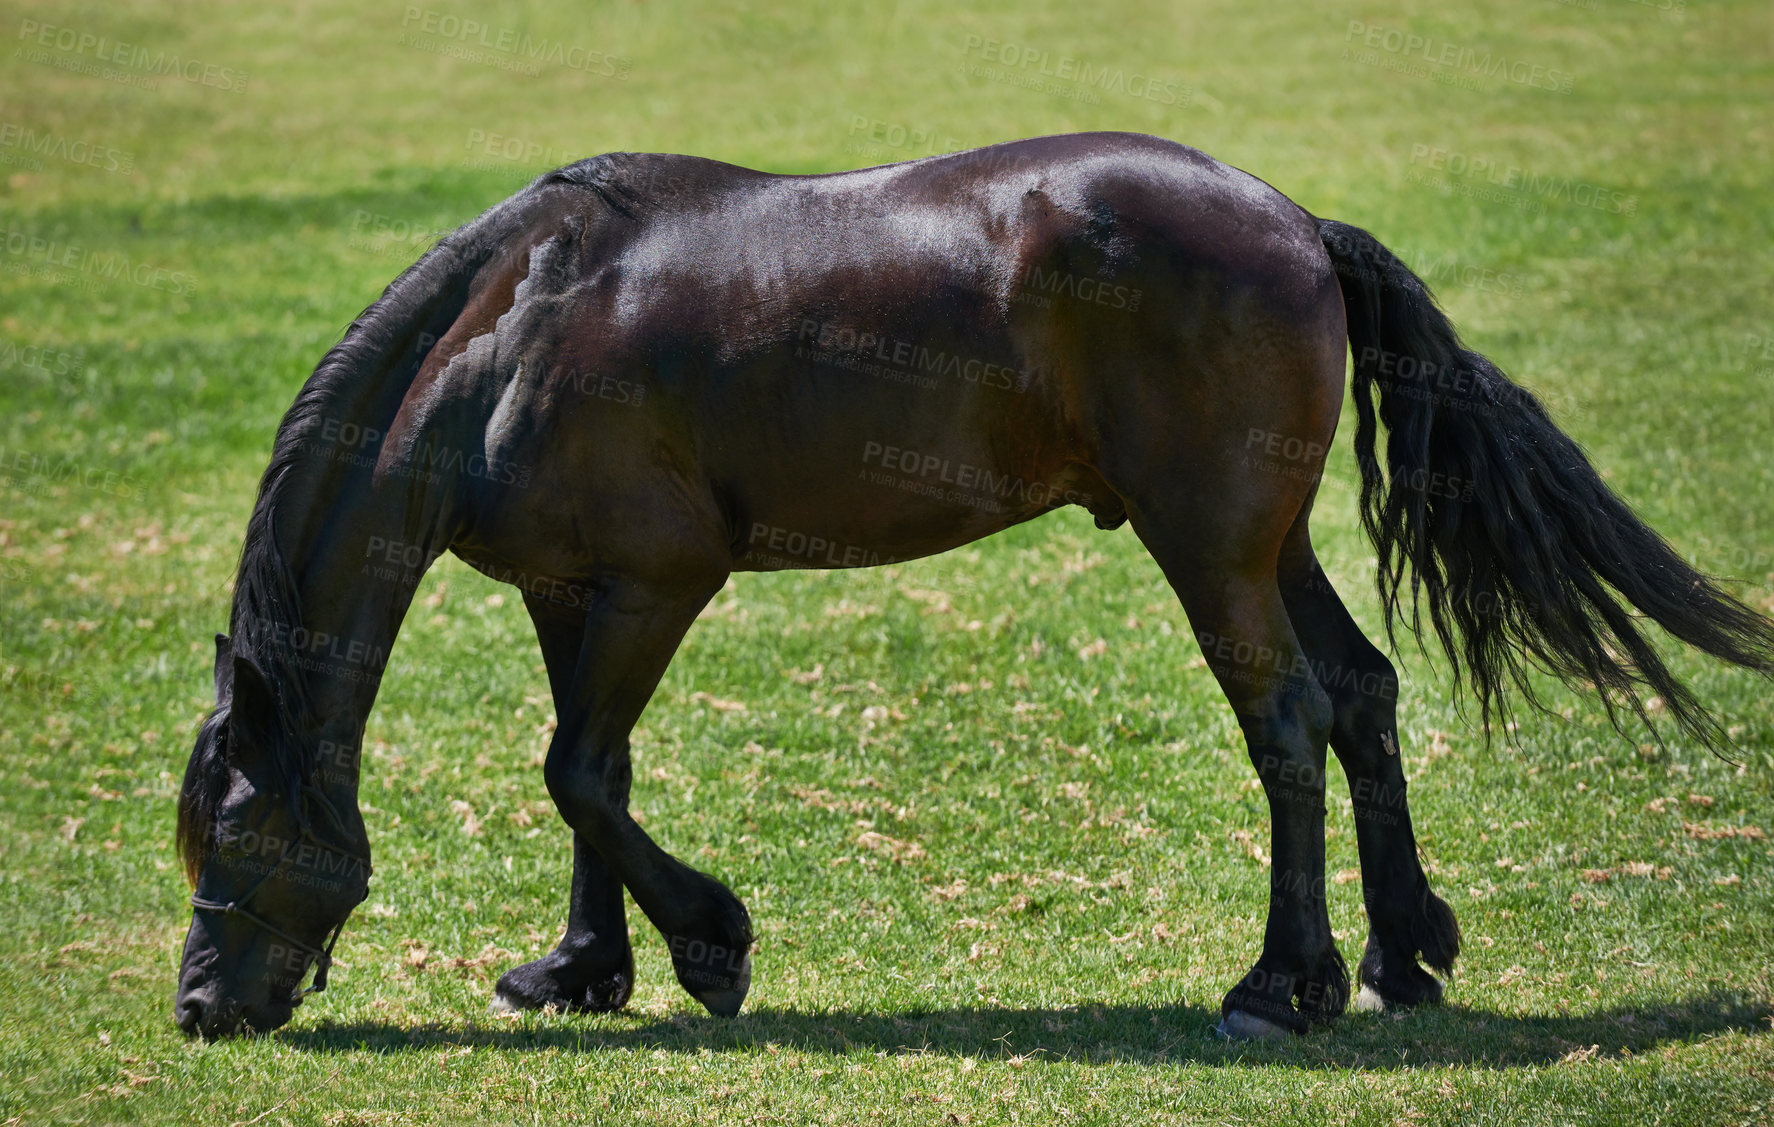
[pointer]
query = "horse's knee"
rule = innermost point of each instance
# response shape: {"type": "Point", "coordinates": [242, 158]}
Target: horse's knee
{"type": "Point", "coordinates": [590, 790]}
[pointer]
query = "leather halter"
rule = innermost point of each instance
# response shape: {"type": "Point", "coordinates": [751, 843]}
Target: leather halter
{"type": "Point", "coordinates": [322, 956]}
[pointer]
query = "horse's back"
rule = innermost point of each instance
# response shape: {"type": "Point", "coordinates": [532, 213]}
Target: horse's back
{"type": "Point", "coordinates": [868, 365]}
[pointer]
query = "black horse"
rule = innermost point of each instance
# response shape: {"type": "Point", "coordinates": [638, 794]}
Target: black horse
{"type": "Point", "coordinates": [643, 373]}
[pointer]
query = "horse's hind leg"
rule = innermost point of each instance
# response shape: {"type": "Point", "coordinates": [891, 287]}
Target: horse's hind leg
{"type": "Point", "coordinates": [1223, 569]}
{"type": "Point", "coordinates": [592, 967]}
{"type": "Point", "coordinates": [1405, 918]}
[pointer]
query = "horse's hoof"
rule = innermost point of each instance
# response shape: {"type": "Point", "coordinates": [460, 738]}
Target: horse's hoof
{"type": "Point", "coordinates": [540, 986]}
{"type": "Point", "coordinates": [720, 994]}
{"type": "Point", "coordinates": [1369, 1000]}
{"type": "Point", "coordinates": [723, 1003]}
{"type": "Point", "coordinates": [1394, 980]}
{"type": "Point", "coordinates": [1240, 1026]}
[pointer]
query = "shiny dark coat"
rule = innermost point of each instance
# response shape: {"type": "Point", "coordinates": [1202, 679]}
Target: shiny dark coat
{"type": "Point", "coordinates": [644, 373]}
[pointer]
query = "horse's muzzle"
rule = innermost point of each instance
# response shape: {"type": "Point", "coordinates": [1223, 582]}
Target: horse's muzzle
{"type": "Point", "coordinates": [204, 1010]}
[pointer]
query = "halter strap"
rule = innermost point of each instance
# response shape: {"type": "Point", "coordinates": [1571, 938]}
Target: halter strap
{"type": "Point", "coordinates": [322, 956]}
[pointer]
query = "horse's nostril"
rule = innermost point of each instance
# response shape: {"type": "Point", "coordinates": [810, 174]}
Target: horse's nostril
{"type": "Point", "coordinates": [190, 1015]}
{"type": "Point", "coordinates": [200, 1015]}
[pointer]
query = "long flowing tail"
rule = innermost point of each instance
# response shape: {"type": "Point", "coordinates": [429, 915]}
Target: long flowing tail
{"type": "Point", "coordinates": [1523, 555]}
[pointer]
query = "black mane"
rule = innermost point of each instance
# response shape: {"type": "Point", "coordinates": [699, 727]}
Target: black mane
{"type": "Point", "coordinates": [381, 350]}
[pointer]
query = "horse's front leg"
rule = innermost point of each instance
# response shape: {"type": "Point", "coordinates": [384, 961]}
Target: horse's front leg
{"type": "Point", "coordinates": [626, 641]}
{"type": "Point", "coordinates": [592, 967]}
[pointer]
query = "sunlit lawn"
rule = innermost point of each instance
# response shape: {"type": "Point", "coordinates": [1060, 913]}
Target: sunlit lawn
{"type": "Point", "coordinates": [989, 811]}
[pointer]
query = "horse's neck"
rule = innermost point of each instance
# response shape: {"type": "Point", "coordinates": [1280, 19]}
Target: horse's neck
{"type": "Point", "coordinates": [356, 552]}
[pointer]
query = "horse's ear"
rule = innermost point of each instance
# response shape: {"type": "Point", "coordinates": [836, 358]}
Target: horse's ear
{"type": "Point", "coordinates": [251, 697]}
{"type": "Point", "coordinates": [224, 668]}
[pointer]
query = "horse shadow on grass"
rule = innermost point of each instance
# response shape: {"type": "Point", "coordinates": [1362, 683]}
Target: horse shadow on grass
{"type": "Point", "coordinates": [1094, 1034]}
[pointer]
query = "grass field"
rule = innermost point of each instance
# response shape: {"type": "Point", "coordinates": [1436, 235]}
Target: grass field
{"type": "Point", "coordinates": [990, 813]}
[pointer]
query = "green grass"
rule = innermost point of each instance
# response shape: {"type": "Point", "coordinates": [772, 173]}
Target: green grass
{"type": "Point", "coordinates": [1076, 887]}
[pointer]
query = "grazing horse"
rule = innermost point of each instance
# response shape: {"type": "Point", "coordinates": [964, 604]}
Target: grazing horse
{"type": "Point", "coordinates": [643, 373]}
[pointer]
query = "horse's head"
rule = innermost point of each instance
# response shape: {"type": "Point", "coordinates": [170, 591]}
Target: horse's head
{"type": "Point", "coordinates": [275, 867]}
